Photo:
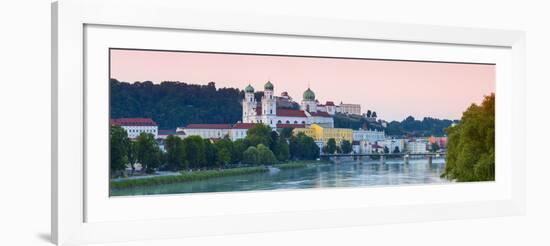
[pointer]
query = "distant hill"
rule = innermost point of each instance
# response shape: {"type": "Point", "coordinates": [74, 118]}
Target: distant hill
{"type": "Point", "coordinates": [173, 104]}
{"type": "Point", "coordinates": [420, 128]}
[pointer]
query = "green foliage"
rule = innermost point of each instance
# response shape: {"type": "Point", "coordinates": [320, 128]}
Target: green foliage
{"type": "Point", "coordinates": [346, 147]}
{"type": "Point", "coordinates": [132, 155]}
{"type": "Point", "coordinates": [119, 150]}
{"type": "Point", "coordinates": [331, 146]}
{"type": "Point", "coordinates": [282, 150]}
{"type": "Point", "coordinates": [265, 155]}
{"type": "Point", "coordinates": [173, 104]}
{"type": "Point", "coordinates": [239, 147]}
{"type": "Point", "coordinates": [251, 156]}
{"type": "Point", "coordinates": [175, 157]}
{"type": "Point", "coordinates": [259, 134]}
{"type": "Point", "coordinates": [396, 150]}
{"type": "Point", "coordinates": [195, 151]}
{"type": "Point", "coordinates": [185, 177]}
{"type": "Point", "coordinates": [303, 147]}
{"type": "Point", "coordinates": [211, 153]}
{"type": "Point", "coordinates": [148, 152]}
{"type": "Point", "coordinates": [419, 128]}
{"type": "Point", "coordinates": [471, 144]}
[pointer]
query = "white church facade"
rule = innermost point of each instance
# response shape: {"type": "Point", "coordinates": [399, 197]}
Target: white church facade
{"type": "Point", "coordinates": [268, 113]}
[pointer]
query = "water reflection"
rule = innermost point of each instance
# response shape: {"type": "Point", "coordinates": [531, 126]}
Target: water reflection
{"type": "Point", "coordinates": [343, 174]}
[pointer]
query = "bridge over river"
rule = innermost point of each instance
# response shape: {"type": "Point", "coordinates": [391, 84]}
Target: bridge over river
{"type": "Point", "coordinates": [383, 156]}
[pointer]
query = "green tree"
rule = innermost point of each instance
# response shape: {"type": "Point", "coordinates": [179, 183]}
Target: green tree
{"type": "Point", "coordinates": [223, 158]}
{"type": "Point", "coordinates": [434, 147]}
{"type": "Point", "coordinates": [396, 149]}
{"type": "Point", "coordinates": [346, 147]}
{"type": "Point", "coordinates": [286, 133]}
{"type": "Point", "coordinates": [265, 155]}
{"type": "Point", "coordinates": [239, 147]}
{"type": "Point", "coordinates": [132, 155]}
{"type": "Point", "coordinates": [251, 156]}
{"type": "Point", "coordinates": [195, 151]}
{"type": "Point", "coordinates": [259, 134]}
{"type": "Point", "coordinates": [303, 147]}
{"type": "Point", "coordinates": [119, 150]}
{"type": "Point", "coordinates": [471, 144]}
{"type": "Point", "coordinates": [148, 152]}
{"type": "Point", "coordinates": [175, 153]}
{"type": "Point", "coordinates": [331, 146]}
{"type": "Point", "coordinates": [282, 151]}
{"type": "Point", "coordinates": [211, 153]}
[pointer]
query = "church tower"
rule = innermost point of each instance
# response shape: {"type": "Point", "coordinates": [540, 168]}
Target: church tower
{"type": "Point", "coordinates": [308, 102]}
{"type": "Point", "coordinates": [249, 105]}
{"type": "Point", "coordinates": [269, 106]}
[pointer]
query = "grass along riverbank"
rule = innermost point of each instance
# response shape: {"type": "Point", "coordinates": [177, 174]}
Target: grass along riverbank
{"type": "Point", "coordinates": [185, 177]}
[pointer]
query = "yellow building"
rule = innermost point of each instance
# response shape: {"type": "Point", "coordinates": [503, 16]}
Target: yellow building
{"type": "Point", "coordinates": [319, 133]}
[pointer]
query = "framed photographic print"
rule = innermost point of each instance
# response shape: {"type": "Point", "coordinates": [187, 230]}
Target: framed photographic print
{"type": "Point", "coordinates": [174, 125]}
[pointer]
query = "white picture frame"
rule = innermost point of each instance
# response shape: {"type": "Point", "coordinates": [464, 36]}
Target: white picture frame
{"type": "Point", "coordinates": [82, 213]}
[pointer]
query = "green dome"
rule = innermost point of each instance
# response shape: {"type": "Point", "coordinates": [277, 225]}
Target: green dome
{"type": "Point", "coordinates": [249, 88]}
{"type": "Point", "coordinates": [268, 85]}
{"type": "Point", "coordinates": [309, 95]}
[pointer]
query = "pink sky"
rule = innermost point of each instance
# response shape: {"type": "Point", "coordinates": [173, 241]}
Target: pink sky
{"type": "Point", "coordinates": [394, 89]}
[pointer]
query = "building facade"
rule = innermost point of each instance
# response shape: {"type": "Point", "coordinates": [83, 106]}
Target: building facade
{"type": "Point", "coordinates": [217, 131]}
{"type": "Point", "coordinates": [268, 112]}
{"type": "Point", "coordinates": [323, 134]}
{"type": "Point", "coordinates": [368, 135]}
{"type": "Point", "coordinates": [135, 126]}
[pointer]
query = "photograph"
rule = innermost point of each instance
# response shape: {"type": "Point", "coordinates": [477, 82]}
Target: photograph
{"type": "Point", "coordinates": [195, 122]}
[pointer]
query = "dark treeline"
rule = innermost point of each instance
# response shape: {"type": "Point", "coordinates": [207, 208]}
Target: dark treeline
{"type": "Point", "coordinates": [173, 104]}
{"type": "Point", "coordinates": [418, 128]}
{"type": "Point", "coordinates": [262, 146]}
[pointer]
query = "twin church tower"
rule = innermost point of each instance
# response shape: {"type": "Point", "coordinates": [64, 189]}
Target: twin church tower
{"type": "Point", "coordinates": [268, 113]}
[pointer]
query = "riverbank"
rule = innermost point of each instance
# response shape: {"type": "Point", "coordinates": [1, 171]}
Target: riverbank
{"type": "Point", "coordinates": [185, 176]}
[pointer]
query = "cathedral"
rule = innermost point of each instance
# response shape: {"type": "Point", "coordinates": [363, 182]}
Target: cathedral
{"type": "Point", "coordinates": [269, 112]}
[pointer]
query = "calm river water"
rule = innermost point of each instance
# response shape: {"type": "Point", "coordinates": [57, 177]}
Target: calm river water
{"type": "Point", "coordinates": [344, 174]}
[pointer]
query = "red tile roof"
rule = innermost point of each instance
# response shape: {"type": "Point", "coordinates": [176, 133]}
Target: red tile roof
{"type": "Point", "coordinates": [291, 125]}
{"type": "Point", "coordinates": [208, 126]}
{"type": "Point", "coordinates": [133, 122]}
{"type": "Point", "coordinates": [291, 113]}
{"type": "Point", "coordinates": [243, 125]}
{"type": "Point", "coordinates": [320, 114]}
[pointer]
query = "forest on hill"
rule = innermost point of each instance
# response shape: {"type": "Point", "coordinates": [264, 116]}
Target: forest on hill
{"type": "Point", "coordinates": [175, 104]}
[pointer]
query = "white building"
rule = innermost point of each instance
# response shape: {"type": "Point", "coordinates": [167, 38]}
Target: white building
{"type": "Point", "coordinates": [268, 113]}
{"type": "Point", "coordinates": [217, 131]}
{"type": "Point", "coordinates": [347, 108]}
{"type": "Point", "coordinates": [135, 126]}
{"type": "Point", "coordinates": [368, 135]}
{"type": "Point", "coordinates": [392, 144]}
{"type": "Point", "coordinates": [417, 146]}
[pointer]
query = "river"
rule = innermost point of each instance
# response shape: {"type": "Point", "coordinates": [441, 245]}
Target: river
{"type": "Point", "coordinates": [343, 174]}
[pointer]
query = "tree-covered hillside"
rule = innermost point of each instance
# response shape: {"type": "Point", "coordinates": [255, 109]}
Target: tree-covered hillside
{"type": "Point", "coordinates": [173, 104]}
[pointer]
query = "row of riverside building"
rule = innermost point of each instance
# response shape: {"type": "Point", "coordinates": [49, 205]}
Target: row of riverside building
{"type": "Point", "coordinates": [312, 119]}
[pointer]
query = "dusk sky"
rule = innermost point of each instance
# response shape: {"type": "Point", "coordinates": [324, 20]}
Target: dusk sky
{"type": "Point", "coordinates": [394, 89]}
